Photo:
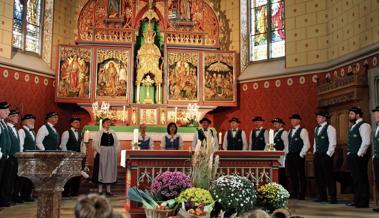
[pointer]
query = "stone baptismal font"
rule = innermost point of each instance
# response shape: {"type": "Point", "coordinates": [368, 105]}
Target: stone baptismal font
{"type": "Point", "coordinates": [49, 171]}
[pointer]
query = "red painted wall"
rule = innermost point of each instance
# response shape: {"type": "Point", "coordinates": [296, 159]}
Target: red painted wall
{"type": "Point", "coordinates": [32, 93]}
{"type": "Point", "coordinates": [271, 98]}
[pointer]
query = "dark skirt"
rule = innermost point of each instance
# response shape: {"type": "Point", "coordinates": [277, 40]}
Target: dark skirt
{"type": "Point", "coordinates": [95, 173]}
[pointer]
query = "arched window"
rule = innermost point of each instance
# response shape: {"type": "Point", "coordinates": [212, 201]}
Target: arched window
{"type": "Point", "coordinates": [267, 34]}
{"type": "Point", "coordinates": [27, 25]}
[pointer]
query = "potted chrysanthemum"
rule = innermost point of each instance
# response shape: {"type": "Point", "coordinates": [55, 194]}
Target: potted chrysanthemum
{"type": "Point", "coordinates": [195, 202]}
{"type": "Point", "coordinates": [233, 194]}
{"type": "Point", "coordinates": [272, 196]}
{"type": "Point", "coordinates": [169, 185]}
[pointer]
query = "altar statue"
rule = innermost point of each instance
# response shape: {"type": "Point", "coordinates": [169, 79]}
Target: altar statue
{"type": "Point", "coordinates": [148, 57]}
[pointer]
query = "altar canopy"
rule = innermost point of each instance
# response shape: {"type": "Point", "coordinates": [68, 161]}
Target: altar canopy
{"type": "Point", "coordinates": [149, 56]}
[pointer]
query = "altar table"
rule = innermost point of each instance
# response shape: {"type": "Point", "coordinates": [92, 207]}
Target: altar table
{"type": "Point", "coordinates": [143, 166]}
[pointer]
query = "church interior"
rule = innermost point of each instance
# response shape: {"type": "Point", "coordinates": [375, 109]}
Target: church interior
{"type": "Point", "coordinates": [115, 93]}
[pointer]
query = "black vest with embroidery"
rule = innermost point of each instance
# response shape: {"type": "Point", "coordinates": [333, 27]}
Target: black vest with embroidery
{"type": "Point", "coordinates": [279, 144]}
{"type": "Point", "coordinates": [258, 142]}
{"type": "Point", "coordinates": [73, 144]}
{"type": "Point", "coordinates": [295, 143]}
{"type": "Point", "coordinates": [235, 143]}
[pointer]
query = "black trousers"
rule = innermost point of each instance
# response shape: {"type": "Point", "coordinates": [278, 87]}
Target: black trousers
{"type": "Point", "coordinates": [324, 176]}
{"type": "Point", "coordinates": [2, 176]}
{"type": "Point", "coordinates": [282, 177]}
{"type": "Point", "coordinates": [358, 167]}
{"type": "Point", "coordinates": [71, 187]}
{"type": "Point", "coordinates": [376, 170]}
{"type": "Point", "coordinates": [9, 179]}
{"type": "Point", "coordinates": [296, 169]}
{"type": "Point", "coordinates": [26, 188]}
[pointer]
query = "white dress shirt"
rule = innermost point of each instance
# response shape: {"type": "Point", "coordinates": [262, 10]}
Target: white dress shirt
{"type": "Point", "coordinates": [244, 140]}
{"type": "Point", "coordinates": [22, 135]}
{"type": "Point", "coordinates": [305, 137]}
{"type": "Point", "coordinates": [163, 140]}
{"type": "Point", "coordinates": [41, 134]}
{"type": "Point", "coordinates": [365, 132]}
{"type": "Point", "coordinates": [2, 126]}
{"type": "Point", "coordinates": [256, 134]}
{"type": "Point", "coordinates": [332, 137]}
{"type": "Point", "coordinates": [214, 138]}
{"type": "Point", "coordinates": [65, 137]}
{"type": "Point", "coordinates": [377, 130]}
{"type": "Point", "coordinates": [144, 139]}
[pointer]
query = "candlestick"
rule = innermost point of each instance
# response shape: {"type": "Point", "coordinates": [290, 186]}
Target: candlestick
{"type": "Point", "coordinates": [123, 158]}
{"type": "Point", "coordinates": [86, 136]}
{"type": "Point", "coordinates": [220, 138]}
{"type": "Point", "coordinates": [176, 113]}
{"type": "Point", "coordinates": [271, 137]}
{"type": "Point", "coordinates": [135, 136]}
{"type": "Point", "coordinates": [101, 124]}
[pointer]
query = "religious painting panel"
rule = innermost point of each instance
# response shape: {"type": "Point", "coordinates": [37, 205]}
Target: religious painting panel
{"type": "Point", "coordinates": [74, 73]}
{"type": "Point", "coordinates": [219, 77]}
{"type": "Point", "coordinates": [183, 76]}
{"type": "Point", "coordinates": [148, 116]}
{"type": "Point", "coordinates": [112, 74]}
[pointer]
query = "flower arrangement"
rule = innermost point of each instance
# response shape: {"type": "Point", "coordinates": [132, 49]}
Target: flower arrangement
{"type": "Point", "coordinates": [234, 193]}
{"type": "Point", "coordinates": [196, 196]}
{"type": "Point", "coordinates": [204, 163]}
{"type": "Point", "coordinates": [196, 202]}
{"type": "Point", "coordinates": [272, 196]}
{"type": "Point", "coordinates": [169, 185]}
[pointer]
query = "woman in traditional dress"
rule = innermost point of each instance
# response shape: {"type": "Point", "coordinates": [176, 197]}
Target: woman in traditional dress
{"type": "Point", "coordinates": [171, 140]}
{"type": "Point", "coordinates": [105, 146]}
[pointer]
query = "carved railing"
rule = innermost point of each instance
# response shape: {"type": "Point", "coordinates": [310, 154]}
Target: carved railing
{"type": "Point", "coordinates": [338, 83]}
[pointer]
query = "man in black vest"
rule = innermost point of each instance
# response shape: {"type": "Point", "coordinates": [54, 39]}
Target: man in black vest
{"type": "Point", "coordinates": [72, 141]}
{"type": "Point", "coordinates": [27, 143]}
{"type": "Point", "coordinates": [359, 140]}
{"type": "Point", "coordinates": [235, 138]}
{"type": "Point", "coordinates": [259, 135]}
{"type": "Point", "coordinates": [4, 148]}
{"type": "Point", "coordinates": [201, 133]}
{"type": "Point", "coordinates": [376, 150]}
{"type": "Point", "coordinates": [358, 155]}
{"type": "Point", "coordinates": [281, 144]}
{"type": "Point", "coordinates": [298, 146]}
{"type": "Point", "coordinates": [47, 136]}
{"type": "Point", "coordinates": [10, 186]}
{"type": "Point", "coordinates": [323, 149]}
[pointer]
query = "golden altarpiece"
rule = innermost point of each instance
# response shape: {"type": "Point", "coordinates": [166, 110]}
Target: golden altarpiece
{"type": "Point", "coordinates": [149, 61]}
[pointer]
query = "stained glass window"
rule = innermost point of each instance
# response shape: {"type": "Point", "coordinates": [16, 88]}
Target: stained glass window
{"type": "Point", "coordinates": [27, 25]}
{"type": "Point", "coordinates": [267, 33]}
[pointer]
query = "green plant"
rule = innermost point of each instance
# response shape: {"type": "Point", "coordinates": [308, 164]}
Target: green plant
{"type": "Point", "coordinates": [273, 196]}
{"type": "Point", "coordinates": [196, 196]}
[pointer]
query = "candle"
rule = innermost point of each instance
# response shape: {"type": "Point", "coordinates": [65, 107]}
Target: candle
{"type": "Point", "coordinates": [135, 136]}
{"type": "Point", "coordinates": [123, 158]}
{"type": "Point", "coordinates": [101, 124]}
{"type": "Point", "coordinates": [123, 114]}
{"type": "Point", "coordinates": [271, 137]}
{"type": "Point", "coordinates": [86, 136]}
{"type": "Point", "coordinates": [176, 112]}
{"type": "Point", "coordinates": [220, 138]}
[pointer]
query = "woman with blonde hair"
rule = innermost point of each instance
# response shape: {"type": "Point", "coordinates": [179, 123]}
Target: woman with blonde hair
{"type": "Point", "coordinates": [105, 145]}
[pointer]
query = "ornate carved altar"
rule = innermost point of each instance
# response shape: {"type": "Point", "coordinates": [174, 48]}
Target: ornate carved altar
{"type": "Point", "coordinates": [143, 166]}
{"type": "Point", "coordinates": [148, 55]}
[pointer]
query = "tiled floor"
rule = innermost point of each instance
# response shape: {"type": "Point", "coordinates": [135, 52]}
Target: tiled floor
{"type": "Point", "coordinates": [306, 209]}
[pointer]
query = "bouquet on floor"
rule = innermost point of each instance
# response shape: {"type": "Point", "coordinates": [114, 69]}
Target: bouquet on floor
{"type": "Point", "coordinates": [273, 196]}
{"type": "Point", "coordinates": [233, 194]}
{"type": "Point", "coordinates": [169, 185]}
{"type": "Point", "coordinates": [195, 202]}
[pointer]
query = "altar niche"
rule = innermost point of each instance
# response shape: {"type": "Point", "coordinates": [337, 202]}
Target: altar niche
{"type": "Point", "coordinates": [149, 74]}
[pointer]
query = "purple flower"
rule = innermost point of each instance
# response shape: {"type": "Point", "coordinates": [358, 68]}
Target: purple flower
{"type": "Point", "coordinates": [169, 185]}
